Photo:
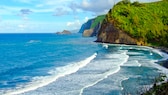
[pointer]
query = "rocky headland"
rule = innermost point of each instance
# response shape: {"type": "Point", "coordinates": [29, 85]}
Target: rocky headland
{"type": "Point", "coordinates": [64, 32]}
{"type": "Point", "coordinates": [92, 26]}
{"type": "Point", "coordinates": [132, 23]}
{"type": "Point", "coordinates": [108, 33]}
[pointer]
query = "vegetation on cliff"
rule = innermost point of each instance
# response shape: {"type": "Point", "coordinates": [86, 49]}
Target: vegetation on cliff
{"type": "Point", "coordinates": [91, 27]}
{"type": "Point", "coordinates": [97, 20]}
{"type": "Point", "coordinates": [147, 22]}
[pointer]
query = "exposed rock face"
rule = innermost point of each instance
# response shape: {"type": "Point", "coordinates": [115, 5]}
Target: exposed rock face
{"type": "Point", "coordinates": [64, 32]}
{"type": "Point", "coordinates": [86, 25]}
{"type": "Point", "coordinates": [109, 34]}
{"type": "Point", "coordinates": [92, 32]}
{"type": "Point", "coordinates": [87, 33]}
{"type": "Point", "coordinates": [92, 26]}
{"type": "Point", "coordinates": [96, 30]}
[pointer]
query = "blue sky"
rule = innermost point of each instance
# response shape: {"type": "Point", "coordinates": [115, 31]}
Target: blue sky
{"type": "Point", "coordinates": [49, 16]}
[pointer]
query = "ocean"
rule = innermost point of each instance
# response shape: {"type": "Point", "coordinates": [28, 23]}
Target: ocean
{"type": "Point", "coordinates": [50, 64]}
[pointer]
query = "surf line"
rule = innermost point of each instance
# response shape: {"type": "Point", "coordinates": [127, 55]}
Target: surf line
{"type": "Point", "coordinates": [43, 81]}
{"type": "Point", "coordinates": [108, 73]}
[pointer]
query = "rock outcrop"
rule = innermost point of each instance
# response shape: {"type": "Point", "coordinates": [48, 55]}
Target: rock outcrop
{"type": "Point", "coordinates": [134, 23]}
{"type": "Point", "coordinates": [65, 32]}
{"type": "Point", "coordinates": [92, 31]}
{"type": "Point", "coordinates": [110, 34]}
{"type": "Point", "coordinates": [96, 29]}
{"type": "Point", "coordinates": [87, 33]}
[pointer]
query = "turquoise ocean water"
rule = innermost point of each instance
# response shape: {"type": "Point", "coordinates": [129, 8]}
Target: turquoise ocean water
{"type": "Point", "coordinates": [50, 64]}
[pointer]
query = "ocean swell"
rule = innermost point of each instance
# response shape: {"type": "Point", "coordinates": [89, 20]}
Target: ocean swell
{"type": "Point", "coordinates": [58, 72]}
{"type": "Point", "coordinates": [110, 67]}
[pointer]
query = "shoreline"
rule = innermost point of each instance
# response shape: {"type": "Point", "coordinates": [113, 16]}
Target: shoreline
{"type": "Point", "coordinates": [163, 63]}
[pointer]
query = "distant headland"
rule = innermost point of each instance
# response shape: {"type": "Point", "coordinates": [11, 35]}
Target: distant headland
{"type": "Point", "coordinates": [64, 32]}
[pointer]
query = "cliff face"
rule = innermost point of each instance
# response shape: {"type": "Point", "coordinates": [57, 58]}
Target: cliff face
{"type": "Point", "coordinates": [87, 32]}
{"type": "Point", "coordinates": [110, 34]}
{"type": "Point", "coordinates": [136, 23]}
{"type": "Point", "coordinates": [92, 26]}
{"type": "Point", "coordinates": [86, 25]}
{"type": "Point", "coordinates": [92, 31]}
{"type": "Point", "coordinates": [96, 29]}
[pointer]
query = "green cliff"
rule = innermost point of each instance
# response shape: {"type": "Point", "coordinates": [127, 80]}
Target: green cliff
{"type": "Point", "coordinates": [97, 20]}
{"type": "Point", "coordinates": [136, 23]}
{"type": "Point", "coordinates": [91, 27]}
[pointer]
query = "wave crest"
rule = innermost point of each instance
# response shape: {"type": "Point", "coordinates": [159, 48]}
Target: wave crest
{"type": "Point", "coordinates": [41, 81]}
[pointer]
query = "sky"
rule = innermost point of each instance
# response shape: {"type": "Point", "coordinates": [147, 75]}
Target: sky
{"type": "Point", "coordinates": [49, 16]}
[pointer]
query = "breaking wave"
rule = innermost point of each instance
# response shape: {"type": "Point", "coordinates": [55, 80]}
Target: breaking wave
{"type": "Point", "coordinates": [58, 72]}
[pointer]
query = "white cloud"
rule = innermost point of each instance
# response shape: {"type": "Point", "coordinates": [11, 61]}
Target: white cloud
{"type": "Point", "coordinates": [94, 6]}
{"type": "Point", "coordinates": [22, 26]}
{"type": "Point", "coordinates": [86, 19]}
{"type": "Point", "coordinates": [57, 2]}
{"type": "Point", "coordinates": [23, 1]}
{"type": "Point", "coordinates": [75, 23]}
{"type": "Point", "coordinates": [85, 3]}
{"type": "Point", "coordinates": [39, 5]}
{"type": "Point", "coordinates": [70, 23]}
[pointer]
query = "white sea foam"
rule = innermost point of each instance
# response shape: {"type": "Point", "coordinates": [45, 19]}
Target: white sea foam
{"type": "Point", "coordinates": [119, 55]}
{"type": "Point", "coordinates": [122, 58]}
{"type": "Point", "coordinates": [165, 57]}
{"type": "Point", "coordinates": [133, 63]}
{"type": "Point", "coordinates": [127, 78]}
{"type": "Point", "coordinates": [55, 74]}
{"type": "Point", "coordinates": [33, 41]}
{"type": "Point", "coordinates": [105, 46]}
{"type": "Point", "coordinates": [163, 54]}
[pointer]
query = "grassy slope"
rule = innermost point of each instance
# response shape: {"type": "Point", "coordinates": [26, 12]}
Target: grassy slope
{"type": "Point", "coordinates": [98, 19]}
{"type": "Point", "coordinates": [147, 22]}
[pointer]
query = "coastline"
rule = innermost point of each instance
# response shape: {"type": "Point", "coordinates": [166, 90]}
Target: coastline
{"type": "Point", "coordinates": [163, 63]}
{"type": "Point", "coordinates": [160, 89]}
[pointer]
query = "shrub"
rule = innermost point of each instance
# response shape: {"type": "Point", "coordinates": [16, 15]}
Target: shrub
{"type": "Point", "coordinates": [137, 4]}
{"type": "Point", "coordinates": [149, 22]}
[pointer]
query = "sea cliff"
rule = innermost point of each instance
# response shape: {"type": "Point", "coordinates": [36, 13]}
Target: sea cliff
{"type": "Point", "coordinates": [136, 23]}
{"type": "Point", "coordinates": [92, 26]}
{"type": "Point", "coordinates": [108, 33]}
{"type": "Point", "coordinates": [86, 25]}
{"type": "Point", "coordinates": [139, 24]}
